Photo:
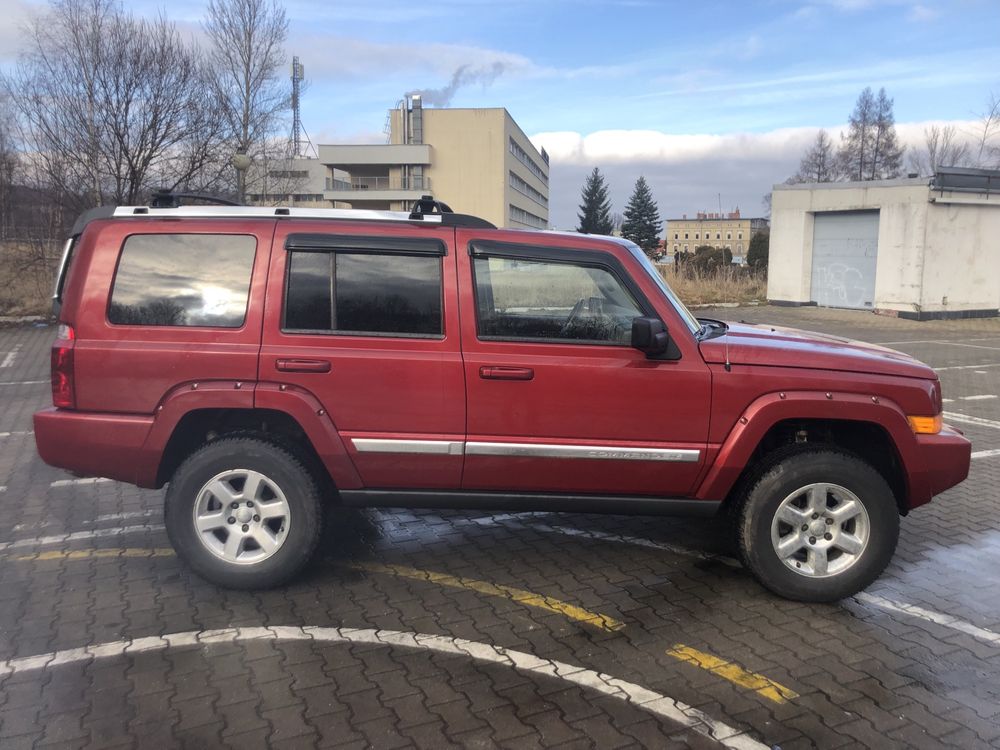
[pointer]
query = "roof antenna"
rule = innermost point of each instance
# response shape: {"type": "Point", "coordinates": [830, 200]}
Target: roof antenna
{"type": "Point", "coordinates": [728, 366]}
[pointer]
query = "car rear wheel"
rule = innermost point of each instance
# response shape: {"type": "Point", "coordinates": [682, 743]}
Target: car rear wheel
{"type": "Point", "coordinates": [818, 526]}
{"type": "Point", "coordinates": [244, 513]}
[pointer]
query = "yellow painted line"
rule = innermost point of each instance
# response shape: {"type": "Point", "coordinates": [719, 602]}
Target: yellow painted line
{"type": "Point", "coordinates": [88, 554]}
{"type": "Point", "coordinates": [521, 596]}
{"type": "Point", "coordinates": [763, 686]}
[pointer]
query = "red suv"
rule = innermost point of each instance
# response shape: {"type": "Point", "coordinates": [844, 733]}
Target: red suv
{"type": "Point", "coordinates": [267, 363]}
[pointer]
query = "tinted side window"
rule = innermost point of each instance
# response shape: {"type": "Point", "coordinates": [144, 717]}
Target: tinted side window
{"type": "Point", "coordinates": [364, 293]}
{"type": "Point", "coordinates": [537, 300]}
{"type": "Point", "coordinates": [183, 280]}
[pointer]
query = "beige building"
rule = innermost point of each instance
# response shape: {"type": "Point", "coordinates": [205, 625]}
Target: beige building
{"type": "Point", "coordinates": [478, 161]}
{"type": "Point", "coordinates": [730, 231]}
{"type": "Point", "coordinates": [915, 248]}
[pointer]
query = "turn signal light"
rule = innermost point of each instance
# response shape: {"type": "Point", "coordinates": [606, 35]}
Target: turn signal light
{"type": "Point", "coordinates": [925, 425]}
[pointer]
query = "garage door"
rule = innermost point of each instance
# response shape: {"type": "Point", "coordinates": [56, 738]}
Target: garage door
{"type": "Point", "coordinates": [845, 248]}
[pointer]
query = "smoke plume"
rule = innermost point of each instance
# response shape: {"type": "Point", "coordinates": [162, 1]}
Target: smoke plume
{"type": "Point", "coordinates": [463, 76]}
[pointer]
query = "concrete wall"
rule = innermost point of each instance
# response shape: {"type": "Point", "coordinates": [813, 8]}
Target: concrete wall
{"type": "Point", "coordinates": [936, 253]}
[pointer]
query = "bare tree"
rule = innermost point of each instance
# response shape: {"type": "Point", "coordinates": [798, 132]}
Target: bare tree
{"type": "Point", "coordinates": [247, 52]}
{"type": "Point", "coordinates": [871, 149]}
{"type": "Point", "coordinates": [987, 147]}
{"type": "Point", "coordinates": [942, 147]}
{"type": "Point", "coordinates": [113, 105]}
{"type": "Point", "coordinates": [9, 163]}
{"type": "Point", "coordinates": [819, 162]}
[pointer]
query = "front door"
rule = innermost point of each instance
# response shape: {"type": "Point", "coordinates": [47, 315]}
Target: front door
{"type": "Point", "coordinates": [558, 401]}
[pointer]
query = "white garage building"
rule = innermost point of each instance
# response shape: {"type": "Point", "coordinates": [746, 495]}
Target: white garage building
{"type": "Point", "coordinates": [917, 248]}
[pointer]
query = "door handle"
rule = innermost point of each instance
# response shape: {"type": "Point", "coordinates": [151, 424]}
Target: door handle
{"type": "Point", "coordinates": [506, 373]}
{"type": "Point", "coordinates": [302, 365]}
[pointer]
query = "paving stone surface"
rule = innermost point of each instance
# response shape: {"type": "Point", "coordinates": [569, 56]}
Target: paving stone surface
{"type": "Point", "coordinates": [865, 675]}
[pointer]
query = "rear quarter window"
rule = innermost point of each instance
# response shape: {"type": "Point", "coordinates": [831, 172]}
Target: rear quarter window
{"type": "Point", "coordinates": [183, 280]}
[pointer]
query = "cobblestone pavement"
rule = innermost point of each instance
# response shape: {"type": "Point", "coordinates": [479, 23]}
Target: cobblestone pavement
{"type": "Point", "coordinates": [447, 629]}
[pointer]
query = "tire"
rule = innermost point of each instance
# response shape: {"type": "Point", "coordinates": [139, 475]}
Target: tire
{"type": "Point", "coordinates": [270, 534]}
{"type": "Point", "coordinates": [841, 550]}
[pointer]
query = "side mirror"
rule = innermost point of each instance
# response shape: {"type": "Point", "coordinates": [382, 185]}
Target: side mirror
{"type": "Point", "coordinates": [650, 336]}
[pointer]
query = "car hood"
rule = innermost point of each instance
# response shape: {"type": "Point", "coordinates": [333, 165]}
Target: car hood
{"type": "Point", "coordinates": [788, 347]}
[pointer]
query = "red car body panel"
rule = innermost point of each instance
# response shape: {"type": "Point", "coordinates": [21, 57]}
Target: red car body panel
{"type": "Point", "coordinates": [714, 404]}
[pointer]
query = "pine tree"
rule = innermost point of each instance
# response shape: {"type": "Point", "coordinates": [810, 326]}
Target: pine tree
{"type": "Point", "coordinates": [641, 219]}
{"type": "Point", "coordinates": [871, 150]}
{"type": "Point", "coordinates": [595, 211]}
{"type": "Point", "coordinates": [818, 164]}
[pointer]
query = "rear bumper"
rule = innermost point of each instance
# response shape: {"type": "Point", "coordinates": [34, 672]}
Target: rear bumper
{"type": "Point", "coordinates": [942, 462]}
{"type": "Point", "coordinates": [96, 445]}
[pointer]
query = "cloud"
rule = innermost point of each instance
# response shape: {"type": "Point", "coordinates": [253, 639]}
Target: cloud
{"type": "Point", "coordinates": [358, 58]}
{"type": "Point", "coordinates": [687, 172]}
{"type": "Point", "coordinates": [17, 14]}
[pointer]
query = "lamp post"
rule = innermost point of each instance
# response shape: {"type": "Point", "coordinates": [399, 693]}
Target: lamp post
{"type": "Point", "coordinates": [241, 163]}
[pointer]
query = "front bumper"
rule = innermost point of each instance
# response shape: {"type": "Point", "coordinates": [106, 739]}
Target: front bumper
{"type": "Point", "coordinates": [943, 460]}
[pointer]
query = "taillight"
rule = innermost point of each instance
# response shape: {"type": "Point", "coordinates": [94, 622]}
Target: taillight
{"type": "Point", "coordinates": [62, 368]}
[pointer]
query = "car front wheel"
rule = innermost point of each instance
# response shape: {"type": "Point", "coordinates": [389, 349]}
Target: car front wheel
{"type": "Point", "coordinates": [818, 526]}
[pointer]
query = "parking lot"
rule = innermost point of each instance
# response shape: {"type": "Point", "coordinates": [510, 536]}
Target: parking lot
{"type": "Point", "coordinates": [448, 629]}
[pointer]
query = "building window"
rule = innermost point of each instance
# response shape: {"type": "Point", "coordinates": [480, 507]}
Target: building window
{"type": "Point", "coordinates": [685, 237]}
{"type": "Point", "coordinates": [676, 237]}
{"type": "Point", "coordinates": [522, 156]}
{"type": "Point", "coordinates": [525, 189]}
{"type": "Point", "coordinates": [696, 235]}
{"type": "Point", "coordinates": [535, 300]}
{"type": "Point", "coordinates": [520, 216]}
{"type": "Point", "coordinates": [183, 280]}
{"type": "Point", "coordinates": [729, 235]}
{"type": "Point", "coordinates": [739, 236]}
{"type": "Point", "coordinates": [676, 247]}
{"type": "Point", "coordinates": [718, 235]}
{"type": "Point", "coordinates": [366, 294]}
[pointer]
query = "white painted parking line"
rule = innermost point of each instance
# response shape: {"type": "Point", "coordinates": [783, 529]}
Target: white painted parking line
{"type": "Point", "coordinates": [648, 700]}
{"type": "Point", "coordinates": [76, 536]}
{"type": "Point", "coordinates": [16, 433]}
{"type": "Point", "coordinates": [968, 419]}
{"type": "Point", "coordinates": [24, 382]}
{"type": "Point", "coordinates": [948, 400]}
{"type": "Point", "coordinates": [934, 341]}
{"type": "Point", "coordinates": [8, 360]}
{"type": "Point", "coordinates": [986, 454]}
{"type": "Point", "coordinates": [976, 398]}
{"type": "Point", "coordinates": [86, 480]}
{"type": "Point", "coordinates": [123, 516]}
{"type": "Point", "coordinates": [930, 615]}
{"type": "Point", "coordinates": [965, 367]}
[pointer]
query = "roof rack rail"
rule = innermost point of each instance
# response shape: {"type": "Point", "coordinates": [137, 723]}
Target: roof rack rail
{"type": "Point", "coordinates": [167, 205]}
{"type": "Point", "coordinates": [165, 198]}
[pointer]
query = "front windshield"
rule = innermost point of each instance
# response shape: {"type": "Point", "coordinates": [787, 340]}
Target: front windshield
{"type": "Point", "coordinates": [647, 264]}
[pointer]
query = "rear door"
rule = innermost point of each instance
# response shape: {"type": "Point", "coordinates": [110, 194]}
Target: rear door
{"type": "Point", "coordinates": [365, 318]}
{"type": "Point", "coordinates": [558, 401]}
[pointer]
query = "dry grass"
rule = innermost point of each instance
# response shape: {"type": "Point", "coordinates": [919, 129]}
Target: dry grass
{"type": "Point", "coordinates": [27, 271]}
{"type": "Point", "coordinates": [724, 286]}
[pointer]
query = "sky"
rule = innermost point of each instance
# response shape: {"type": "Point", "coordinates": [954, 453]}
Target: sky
{"type": "Point", "coordinates": [713, 102]}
